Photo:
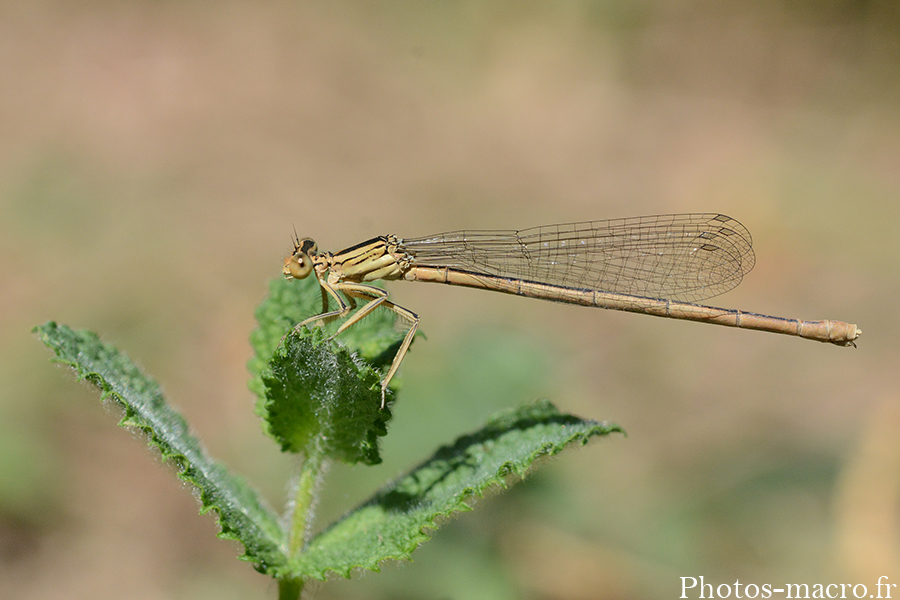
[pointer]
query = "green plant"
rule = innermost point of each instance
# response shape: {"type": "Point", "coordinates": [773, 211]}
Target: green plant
{"type": "Point", "coordinates": [321, 399]}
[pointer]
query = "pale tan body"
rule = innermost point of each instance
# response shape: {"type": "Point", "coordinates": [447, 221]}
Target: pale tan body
{"type": "Point", "coordinates": [386, 258]}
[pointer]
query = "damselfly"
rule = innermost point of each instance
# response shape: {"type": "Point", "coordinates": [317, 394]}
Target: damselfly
{"type": "Point", "coordinates": [657, 265]}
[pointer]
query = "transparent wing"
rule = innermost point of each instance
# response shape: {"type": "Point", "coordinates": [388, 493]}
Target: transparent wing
{"type": "Point", "coordinates": [683, 257]}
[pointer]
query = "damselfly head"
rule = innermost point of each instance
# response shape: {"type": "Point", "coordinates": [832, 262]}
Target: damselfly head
{"type": "Point", "coordinates": [299, 264]}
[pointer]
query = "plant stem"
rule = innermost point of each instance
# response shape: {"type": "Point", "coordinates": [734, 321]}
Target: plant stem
{"type": "Point", "coordinates": [289, 589]}
{"type": "Point", "coordinates": [304, 501]}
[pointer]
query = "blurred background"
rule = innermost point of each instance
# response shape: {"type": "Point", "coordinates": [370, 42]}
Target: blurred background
{"type": "Point", "coordinates": [156, 156]}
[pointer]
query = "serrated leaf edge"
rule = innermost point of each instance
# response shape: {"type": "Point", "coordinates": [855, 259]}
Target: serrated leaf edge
{"type": "Point", "coordinates": [505, 476]}
{"type": "Point", "coordinates": [183, 465]}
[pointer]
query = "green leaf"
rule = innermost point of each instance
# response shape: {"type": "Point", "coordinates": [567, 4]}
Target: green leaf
{"type": "Point", "coordinates": [398, 518]}
{"type": "Point", "coordinates": [242, 515]}
{"type": "Point", "coordinates": [324, 402]}
{"type": "Point", "coordinates": [289, 302]}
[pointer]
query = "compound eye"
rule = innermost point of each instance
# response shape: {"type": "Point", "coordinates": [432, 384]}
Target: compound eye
{"type": "Point", "coordinates": [298, 265]}
{"type": "Point", "coordinates": [308, 246]}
